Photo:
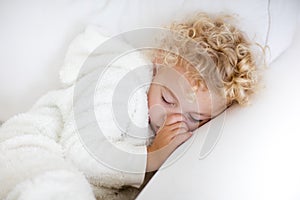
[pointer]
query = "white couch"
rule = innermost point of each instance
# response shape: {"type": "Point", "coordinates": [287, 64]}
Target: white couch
{"type": "Point", "coordinates": [256, 154]}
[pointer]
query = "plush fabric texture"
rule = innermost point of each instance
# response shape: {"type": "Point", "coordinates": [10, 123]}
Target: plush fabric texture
{"type": "Point", "coordinates": [42, 156]}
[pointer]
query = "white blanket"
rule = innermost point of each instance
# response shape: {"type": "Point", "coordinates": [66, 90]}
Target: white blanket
{"type": "Point", "coordinates": [42, 153]}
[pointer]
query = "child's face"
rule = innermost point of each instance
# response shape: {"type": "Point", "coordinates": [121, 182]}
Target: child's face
{"type": "Point", "coordinates": [171, 92]}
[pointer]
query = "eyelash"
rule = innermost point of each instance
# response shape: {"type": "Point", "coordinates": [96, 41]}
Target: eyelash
{"type": "Point", "coordinates": [165, 101]}
{"type": "Point", "coordinates": [195, 120]}
{"type": "Point", "coordinates": [191, 118]}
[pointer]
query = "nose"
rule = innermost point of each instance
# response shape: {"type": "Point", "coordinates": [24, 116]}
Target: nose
{"type": "Point", "coordinates": [177, 112]}
{"type": "Point", "coordinates": [177, 117]}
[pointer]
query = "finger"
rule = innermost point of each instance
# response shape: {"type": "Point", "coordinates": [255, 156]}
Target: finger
{"type": "Point", "coordinates": [176, 132]}
{"type": "Point", "coordinates": [173, 118]}
{"type": "Point", "coordinates": [171, 127]}
{"type": "Point", "coordinates": [180, 138]}
{"type": "Point", "coordinates": [178, 125]}
{"type": "Point", "coordinates": [180, 130]}
{"type": "Point", "coordinates": [174, 129]}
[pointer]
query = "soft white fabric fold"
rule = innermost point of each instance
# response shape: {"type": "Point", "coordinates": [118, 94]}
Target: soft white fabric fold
{"type": "Point", "coordinates": [42, 152]}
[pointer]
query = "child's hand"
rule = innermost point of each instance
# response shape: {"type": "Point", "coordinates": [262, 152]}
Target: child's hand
{"type": "Point", "coordinates": [172, 134]}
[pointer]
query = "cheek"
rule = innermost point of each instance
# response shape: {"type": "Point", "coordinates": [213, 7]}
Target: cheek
{"type": "Point", "coordinates": [155, 108]}
{"type": "Point", "coordinates": [157, 114]}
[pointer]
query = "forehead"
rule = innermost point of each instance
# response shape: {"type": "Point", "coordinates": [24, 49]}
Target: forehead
{"type": "Point", "coordinates": [175, 81]}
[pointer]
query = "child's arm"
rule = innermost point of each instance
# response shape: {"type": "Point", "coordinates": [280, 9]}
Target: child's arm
{"type": "Point", "coordinates": [172, 134]}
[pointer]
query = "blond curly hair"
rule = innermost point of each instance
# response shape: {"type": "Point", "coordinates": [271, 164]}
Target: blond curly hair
{"type": "Point", "coordinates": [205, 37]}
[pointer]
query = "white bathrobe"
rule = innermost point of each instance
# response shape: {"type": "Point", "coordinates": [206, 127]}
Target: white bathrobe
{"type": "Point", "coordinates": [42, 154]}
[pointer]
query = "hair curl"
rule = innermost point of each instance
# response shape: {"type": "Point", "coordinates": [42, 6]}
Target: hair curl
{"type": "Point", "coordinates": [227, 47]}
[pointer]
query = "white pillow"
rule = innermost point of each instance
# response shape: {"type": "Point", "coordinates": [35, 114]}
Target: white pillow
{"type": "Point", "coordinates": [35, 34]}
{"type": "Point", "coordinates": [270, 23]}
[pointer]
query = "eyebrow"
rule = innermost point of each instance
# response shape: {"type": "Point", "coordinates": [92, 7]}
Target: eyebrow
{"type": "Point", "coordinates": [171, 93]}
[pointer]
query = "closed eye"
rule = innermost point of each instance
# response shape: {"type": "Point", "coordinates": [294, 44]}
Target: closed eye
{"type": "Point", "coordinates": [167, 97]}
{"type": "Point", "coordinates": [166, 101]}
{"type": "Point", "coordinates": [195, 120]}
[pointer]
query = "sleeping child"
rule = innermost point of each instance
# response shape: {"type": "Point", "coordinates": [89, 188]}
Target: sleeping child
{"type": "Point", "coordinates": [87, 141]}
